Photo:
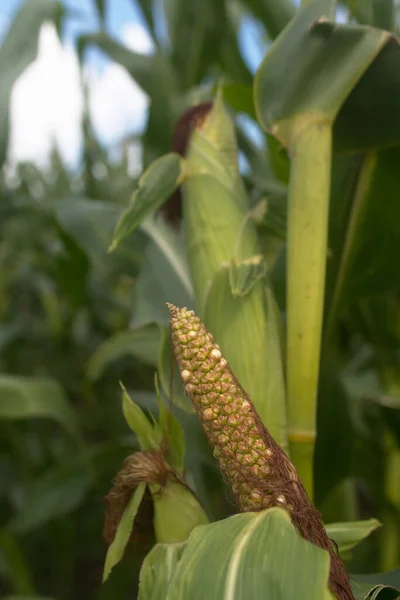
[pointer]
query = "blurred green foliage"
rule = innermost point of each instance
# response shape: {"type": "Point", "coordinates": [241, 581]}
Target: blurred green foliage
{"type": "Point", "coordinates": [74, 320]}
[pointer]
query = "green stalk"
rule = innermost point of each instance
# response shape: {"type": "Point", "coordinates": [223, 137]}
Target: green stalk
{"type": "Point", "coordinates": [309, 190]}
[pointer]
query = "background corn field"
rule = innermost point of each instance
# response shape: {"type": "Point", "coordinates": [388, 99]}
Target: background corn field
{"type": "Point", "coordinates": [316, 135]}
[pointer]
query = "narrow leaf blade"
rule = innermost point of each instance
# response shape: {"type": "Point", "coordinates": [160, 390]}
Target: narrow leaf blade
{"type": "Point", "coordinates": [117, 547]}
{"type": "Point", "coordinates": [156, 185]}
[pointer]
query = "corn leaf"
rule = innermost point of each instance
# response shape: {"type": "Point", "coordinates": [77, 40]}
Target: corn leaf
{"type": "Point", "coordinates": [240, 565]}
{"type": "Point", "coordinates": [157, 570]}
{"type": "Point", "coordinates": [275, 14]}
{"type": "Point", "coordinates": [142, 343]}
{"type": "Point", "coordinates": [117, 547]}
{"type": "Point", "coordinates": [347, 535]}
{"type": "Point", "coordinates": [33, 398]}
{"type": "Point", "coordinates": [383, 592]}
{"type": "Point", "coordinates": [370, 233]}
{"type": "Point", "coordinates": [309, 89]}
{"type": "Point", "coordinates": [90, 223]}
{"type": "Point", "coordinates": [154, 187]}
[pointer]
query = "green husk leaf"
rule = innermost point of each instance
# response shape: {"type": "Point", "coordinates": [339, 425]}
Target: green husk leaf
{"type": "Point", "coordinates": [176, 512]}
{"type": "Point", "coordinates": [247, 330]}
{"type": "Point", "coordinates": [148, 434]}
{"type": "Point", "coordinates": [117, 547]}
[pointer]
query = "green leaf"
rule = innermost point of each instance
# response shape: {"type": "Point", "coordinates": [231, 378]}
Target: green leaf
{"type": "Point", "coordinates": [19, 597]}
{"type": "Point", "coordinates": [90, 222]}
{"type": "Point", "coordinates": [275, 14]}
{"type": "Point", "coordinates": [192, 31]}
{"type": "Point", "coordinates": [369, 118]}
{"type": "Point", "coordinates": [384, 592]}
{"type": "Point", "coordinates": [306, 44]}
{"type": "Point", "coordinates": [334, 414]}
{"type": "Point", "coordinates": [244, 274]}
{"type": "Point", "coordinates": [149, 436]}
{"type": "Point", "coordinates": [172, 248]}
{"type": "Point", "coordinates": [362, 584]}
{"type": "Point", "coordinates": [101, 8]}
{"type": "Point", "coordinates": [239, 564]}
{"type": "Point", "coordinates": [59, 491]}
{"type": "Point", "coordinates": [164, 276]}
{"type": "Point", "coordinates": [240, 97]}
{"type": "Point", "coordinates": [116, 549]}
{"type": "Point", "coordinates": [18, 50]}
{"type": "Point", "coordinates": [348, 535]}
{"type": "Point", "coordinates": [155, 186]}
{"type": "Point", "coordinates": [172, 432]}
{"type": "Point", "coordinates": [142, 343]}
{"type": "Point", "coordinates": [157, 570]}
{"type": "Point", "coordinates": [370, 233]}
{"type": "Point", "coordinates": [16, 566]}
{"type": "Point", "coordinates": [39, 397]}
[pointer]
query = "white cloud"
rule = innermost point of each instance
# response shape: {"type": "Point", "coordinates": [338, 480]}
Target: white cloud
{"type": "Point", "coordinates": [136, 38]}
{"type": "Point", "coordinates": [117, 105]}
{"type": "Point", "coordinates": [46, 103]}
{"type": "Point", "coordinates": [47, 100]}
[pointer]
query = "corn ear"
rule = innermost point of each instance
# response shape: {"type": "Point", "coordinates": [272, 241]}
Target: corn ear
{"type": "Point", "coordinates": [257, 469]}
{"type": "Point", "coordinates": [219, 236]}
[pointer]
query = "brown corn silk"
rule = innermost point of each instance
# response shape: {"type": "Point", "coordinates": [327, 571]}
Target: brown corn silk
{"type": "Point", "coordinates": [149, 466]}
{"type": "Point", "coordinates": [254, 465]}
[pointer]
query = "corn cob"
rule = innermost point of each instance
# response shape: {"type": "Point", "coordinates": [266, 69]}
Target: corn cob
{"type": "Point", "coordinates": [257, 469]}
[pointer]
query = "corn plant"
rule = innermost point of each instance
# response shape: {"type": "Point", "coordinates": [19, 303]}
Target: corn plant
{"type": "Point", "coordinates": [260, 280]}
{"type": "Point", "coordinates": [257, 388]}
